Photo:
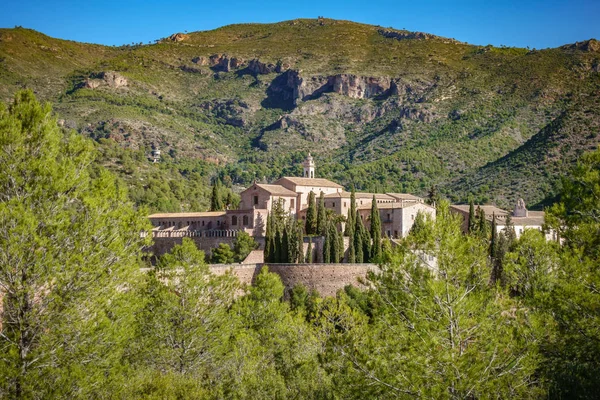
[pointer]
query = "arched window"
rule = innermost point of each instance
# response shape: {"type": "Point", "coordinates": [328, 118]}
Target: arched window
{"type": "Point", "coordinates": [234, 220]}
{"type": "Point", "coordinates": [245, 220]}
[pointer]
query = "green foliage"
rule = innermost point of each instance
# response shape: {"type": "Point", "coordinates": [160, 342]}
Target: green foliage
{"type": "Point", "coordinates": [311, 215]}
{"type": "Point", "coordinates": [375, 220]}
{"type": "Point", "coordinates": [68, 245]}
{"type": "Point", "coordinates": [321, 216]}
{"type": "Point", "coordinates": [435, 336]}
{"type": "Point", "coordinates": [243, 245]}
{"type": "Point", "coordinates": [222, 254]}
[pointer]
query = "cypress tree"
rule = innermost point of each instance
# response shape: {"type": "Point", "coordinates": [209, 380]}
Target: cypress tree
{"type": "Point", "coordinates": [277, 253]}
{"type": "Point", "coordinates": [326, 248]}
{"type": "Point", "coordinates": [321, 216]}
{"type": "Point", "coordinates": [308, 259]}
{"type": "Point", "coordinates": [349, 225]}
{"type": "Point", "coordinates": [358, 240]}
{"type": "Point", "coordinates": [482, 223]}
{"type": "Point", "coordinates": [311, 215]}
{"type": "Point", "coordinates": [299, 244]}
{"type": "Point", "coordinates": [366, 243]}
{"type": "Point", "coordinates": [509, 232]}
{"type": "Point", "coordinates": [216, 203]}
{"type": "Point", "coordinates": [340, 238]}
{"type": "Point", "coordinates": [285, 249]}
{"type": "Point", "coordinates": [269, 239]}
{"type": "Point", "coordinates": [335, 243]}
{"type": "Point", "coordinates": [471, 222]}
{"type": "Point", "coordinates": [494, 238]}
{"type": "Point", "coordinates": [375, 232]}
{"type": "Point", "coordinates": [351, 250]}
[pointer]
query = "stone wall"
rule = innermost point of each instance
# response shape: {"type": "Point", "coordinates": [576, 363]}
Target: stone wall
{"type": "Point", "coordinates": [163, 245]}
{"type": "Point", "coordinates": [326, 279]}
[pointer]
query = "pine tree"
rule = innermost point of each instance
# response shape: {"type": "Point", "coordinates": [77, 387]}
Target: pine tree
{"type": "Point", "coordinates": [69, 244]}
{"type": "Point", "coordinates": [375, 232]}
{"type": "Point", "coordinates": [311, 215]}
{"type": "Point", "coordinates": [471, 222]}
{"type": "Point", "coordinates": [321, 216]}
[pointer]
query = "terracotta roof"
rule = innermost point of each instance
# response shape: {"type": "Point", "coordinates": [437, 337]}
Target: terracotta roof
{"type": "Point", "coordinates": [189, 214]}
{"type": "Point", "coordinates": [390, 206]}
{"type": "Point", "coordinates": [405, 196]}
{"type": "Point", "coordinates": [487, 209]}
{"type": "Point", "coordinates": [319, 182]}
{"type": "Point", "coordinates": [277, 190]}
{"type": "Point", "coordinates": [359, 195]}
{"type": "Point", "coordinates": [254, 257]}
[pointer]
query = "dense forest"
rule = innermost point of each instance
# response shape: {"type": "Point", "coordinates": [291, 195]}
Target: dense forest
{"type": "Point", "coordinates": [83, 315]}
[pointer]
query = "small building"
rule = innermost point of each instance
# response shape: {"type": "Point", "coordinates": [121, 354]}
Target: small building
{"type": "Point", "coordinates": [521, 218]}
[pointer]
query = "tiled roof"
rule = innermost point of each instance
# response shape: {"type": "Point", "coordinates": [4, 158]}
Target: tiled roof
{"type": "Point", "coordinates": [317, 182]}
{"type": "Point", "coordinates": [405, 196]}
{"type": "Point", "coordinates": [277, 190]}
{"type": "Point", "coordinates": [391, 206]}
{"type": "Point", "coordinates": [189, 214]}
{"type": "Point", "coordinates": [359, 195]}
{"type": "Point", "coordinates": [255, 257]}
{"type": "Point", "coordinates": [487, 209]}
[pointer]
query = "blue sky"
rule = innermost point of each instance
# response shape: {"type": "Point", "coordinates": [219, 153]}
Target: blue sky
{"type": "Point", "coordinates": [522, 23]}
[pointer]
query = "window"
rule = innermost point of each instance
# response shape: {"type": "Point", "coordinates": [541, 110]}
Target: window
{"type": "Point", "coordinates": [413, 217]}
{"type": "Point", "coordinates": [333, 204]}
{"type": "Point", "coordinates": [202, 223]}
{"type": "Point", "coordinates": [396, 234]}
{"type": "Point", "coordinates": [245, 220]}
{"type": "Point", "coordinates": [345, 204]}
{"type": "Point", "coordinates": [234, 220]}
{"type": "Point", "coordinates": [255, 200]}
{"type": "Point", "coordinates": [218, 223]}
{"type": "Point", "coordinates": [389, 233]}
{"type": "Point", "coordinates": [389, 218]}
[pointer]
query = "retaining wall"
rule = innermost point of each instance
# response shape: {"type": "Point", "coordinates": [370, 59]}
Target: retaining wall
{"type": "Point", "coordinates": [326, 279]}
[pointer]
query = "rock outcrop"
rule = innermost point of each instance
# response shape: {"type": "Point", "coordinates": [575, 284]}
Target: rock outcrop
{"type": "Point", "coordinates": [177, 37]}
{"type": "Point", "coordinates": [362, 87]}
{"type": "Point", "coordinates": [591, 45]}
{"type": "Point", "coordinates": [259, 68]}
{"type": "Point", "coordinates": [224, 63]}
{"type": "Point", "coordinates": [114, 79]}
{"type": "Point", "coordinates": [108, 78]}
{"type": "Point", "coordinates": [353, 86]}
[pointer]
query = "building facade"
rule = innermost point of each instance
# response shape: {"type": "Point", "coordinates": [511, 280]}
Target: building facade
{"type": "Point", "coordinates": [397, 210]}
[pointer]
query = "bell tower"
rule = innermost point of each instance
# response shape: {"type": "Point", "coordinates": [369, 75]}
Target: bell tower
{"type": "Point", "coordinates": [309, 167]}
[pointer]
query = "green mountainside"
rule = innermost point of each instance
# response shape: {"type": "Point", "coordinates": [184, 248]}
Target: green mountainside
{"type": "Point", "coordinates": [380, 108]}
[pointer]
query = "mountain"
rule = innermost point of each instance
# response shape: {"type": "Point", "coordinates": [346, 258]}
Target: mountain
{"type": "Point", "coordinates": [380, 108]}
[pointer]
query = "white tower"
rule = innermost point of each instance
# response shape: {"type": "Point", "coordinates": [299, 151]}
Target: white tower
{"type": "Point", "coordinates": [520, 209]}
{"type": "Point", "coordinates": [309, 167]}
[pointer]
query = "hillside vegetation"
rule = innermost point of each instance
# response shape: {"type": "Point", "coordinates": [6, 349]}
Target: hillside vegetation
{"type": "Point", "coordinates": [382, 109]}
